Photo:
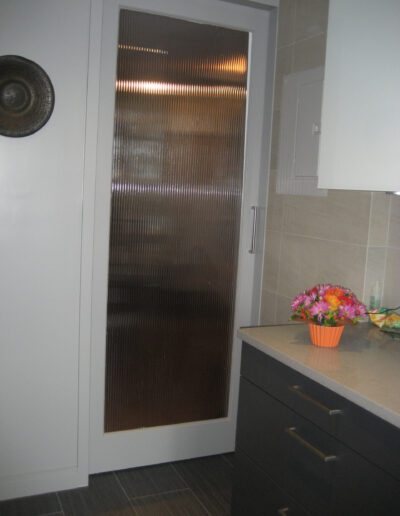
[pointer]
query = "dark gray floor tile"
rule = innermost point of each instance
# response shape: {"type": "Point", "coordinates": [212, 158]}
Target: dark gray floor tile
{"type": "Point", "coordinates": [104, 496]}
{"type": "Point", "coordinates": [178, 503]}
{"type": "Point", "coordinates": [31, 506]}
{"type": "Point", "coordinates": [210, 478]}
{"type": "Point", "coordinates": [229, 457]}
{"type": "Point", "coordinates": [150, 480]}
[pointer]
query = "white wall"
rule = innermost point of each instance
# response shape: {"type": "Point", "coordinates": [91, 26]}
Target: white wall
{"type": "Point", "coordinates": [41, 195]}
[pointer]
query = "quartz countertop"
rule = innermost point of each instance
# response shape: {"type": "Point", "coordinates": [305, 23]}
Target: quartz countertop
{"type": "Point", "coordinates": [364, 368]}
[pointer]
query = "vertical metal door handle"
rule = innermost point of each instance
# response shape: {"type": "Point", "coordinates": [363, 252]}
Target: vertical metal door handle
{"type": "Point", "coordinates": [252, 250]}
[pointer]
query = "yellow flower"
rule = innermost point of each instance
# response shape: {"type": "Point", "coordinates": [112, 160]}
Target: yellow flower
{"type": "Point", "coordinates": [333, 301]}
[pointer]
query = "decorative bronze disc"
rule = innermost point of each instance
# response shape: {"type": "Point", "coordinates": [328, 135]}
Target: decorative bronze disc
{"type": "Point", "coordinates": [26, 96]}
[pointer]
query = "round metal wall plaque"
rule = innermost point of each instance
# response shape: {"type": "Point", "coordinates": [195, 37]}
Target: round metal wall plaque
{"type": "Point", "coordinates": [26, 96]}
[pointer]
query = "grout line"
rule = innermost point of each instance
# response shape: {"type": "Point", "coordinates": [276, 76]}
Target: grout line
{"type": "Point", "coordinates": [367, 254]}
{"type": "Point", "coordinates": [278, 276]}
{"type": "Point", "coordinates": [293, 56]}
{"type": "Point", "coordinates": [353, 244]}
{"type": "Point", "coordinates": [143, 497]}
{"type": "Point", "coordinates": [59, 502]}
{"type": "Point", "coordinates": [386, 248]}
{"type": "Point", "coordinates": [124, 491]}
{"type": "Point", "coordinates": [161, 493]}
{"type": "Point", "coordinates": [317, 35]}
{"type": "Point", "coordinates": [227, 461]}
{"type": "Point", "coordinates": [301, 40]}
{"type": "Point", "coordinates": [208, 513]}
{"type": "Point", "coordinates": [186, 489]}
{"type": "Point", "coordinates": [194, 494]}
{"type": "Point", "coordinates": [179, 475]}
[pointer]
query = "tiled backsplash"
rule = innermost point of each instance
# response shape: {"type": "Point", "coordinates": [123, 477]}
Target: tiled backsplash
{"type": "Point", "coordinates": [383, 252]}
{"type": "Point", "coordinates": [349, 237]}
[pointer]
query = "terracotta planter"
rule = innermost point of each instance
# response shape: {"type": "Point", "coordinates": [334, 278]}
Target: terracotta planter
{"type": "Point", "coordinates": [325, 336]}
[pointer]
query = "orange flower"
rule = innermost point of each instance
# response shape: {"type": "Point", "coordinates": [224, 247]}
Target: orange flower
{"type": "Point", "coordinates": [335, 291]}
{"type": "Point", "coordinates": [334, 297]}
{"type": "Point", "coordinates": [332, 300]}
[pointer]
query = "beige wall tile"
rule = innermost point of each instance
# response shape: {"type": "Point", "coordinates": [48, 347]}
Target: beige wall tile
{"type": "Point", "coordinates": [283, 311]}
{"type": "Point", "coordinates": [342, 215]}
{"type": "Point", "coordinates": [378, 228]}
{"type": "Point", "coordinates": [284, 61]}
{"type": "Point", "coordinates": [274, 211]}
{"type": "Point", "coordinates": [271, 260]}
{"type": "Point", "coordinates": [268, 307]}
{"type": "Point", "coordinates": [274, 207]}
{"type": "Point", "coordinates": [391, 293]}
{"type": "Point", "coordinates": [299, 264]}
{"type": "Point", "coordinates": [286, 21]}
{"type": "Point", "coordinates": [343, 264]}
{"type": "Point", "coordinates": [311, 18]}
{"type": "Point", "coordinates": [275, 139]}
{"type": "Point", "coordinates": [309, 53]}
{"type": "Point", "coordinates": [394, 222]}
{"type": "Point", "coordinates": [306, 261]}
{"type": "Point", "coordinates": [375, 273]}
{"type": "Point", "coordinates": [273, 176]}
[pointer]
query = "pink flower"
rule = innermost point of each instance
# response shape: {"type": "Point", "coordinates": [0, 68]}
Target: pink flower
{"type": "Point", "coordinates": [319, 309]}
{"type": "Point", "coordinates": [297, 302]}
{"type": "Point", "coordinates": [347, 311]}
{"type": "Point", "coordinates": [361, 310]}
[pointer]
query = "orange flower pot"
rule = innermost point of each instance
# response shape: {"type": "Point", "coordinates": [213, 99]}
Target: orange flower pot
{"type": "Point", "coordinates": [325, 336]}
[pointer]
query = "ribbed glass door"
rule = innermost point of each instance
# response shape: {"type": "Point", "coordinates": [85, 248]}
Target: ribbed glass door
{"type": "Point", "coordinates": [180, 105]}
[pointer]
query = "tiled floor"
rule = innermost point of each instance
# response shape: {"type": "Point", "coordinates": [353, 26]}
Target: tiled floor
{"type": "Point", "coordinates": [198, 487]}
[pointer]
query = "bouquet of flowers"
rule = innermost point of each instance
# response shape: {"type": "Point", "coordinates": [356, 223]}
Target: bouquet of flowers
{"type": "Point", "coordinates": [328, 305]}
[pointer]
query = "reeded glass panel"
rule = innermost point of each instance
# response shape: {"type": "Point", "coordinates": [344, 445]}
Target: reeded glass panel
{"type": "Point", "coordinates": [175, 216]}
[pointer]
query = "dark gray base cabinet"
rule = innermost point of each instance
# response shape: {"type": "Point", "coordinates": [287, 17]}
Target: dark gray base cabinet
{"type": "Point", "coordinates": [303, 449]}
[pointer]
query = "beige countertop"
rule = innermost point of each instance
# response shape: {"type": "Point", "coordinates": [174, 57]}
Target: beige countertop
{"type": "Point", "coordinates": [364, 368]}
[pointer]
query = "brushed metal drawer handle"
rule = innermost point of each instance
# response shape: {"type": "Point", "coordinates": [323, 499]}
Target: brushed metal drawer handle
{"type": "Point", "coordinates": [298, 391]}
{"type": "Point", "coordinates": [318, 453]}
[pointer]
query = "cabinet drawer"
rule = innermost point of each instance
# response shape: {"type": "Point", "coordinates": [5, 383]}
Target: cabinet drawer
{"type": "Point", "coordinates": [362, 489]}
{"type": "Point", "coordinates": [254, 493]}
{"type": "Point", "coordinates": [261, 429]}
{"type": "Point", "coordinates": [367, 434]}
{"type": "Point", "coordinates": [293, 452]}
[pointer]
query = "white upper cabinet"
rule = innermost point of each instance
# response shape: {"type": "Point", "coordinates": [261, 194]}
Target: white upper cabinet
{"type": "Point", "coordinates": [360, 127]}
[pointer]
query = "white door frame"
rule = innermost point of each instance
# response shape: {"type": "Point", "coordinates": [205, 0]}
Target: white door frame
{"type": "Point", "coordinates": [116, 450]}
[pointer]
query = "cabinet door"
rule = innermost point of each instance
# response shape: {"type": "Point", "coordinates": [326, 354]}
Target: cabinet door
{"type": "Point", "coordinates": [360, 127]}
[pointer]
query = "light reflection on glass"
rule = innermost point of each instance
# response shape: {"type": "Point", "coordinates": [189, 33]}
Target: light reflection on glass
{"type": "Point", "coordinates": [135, 48]}
{"type": "Point", "coordinates": [163, 88]}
